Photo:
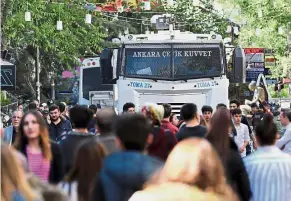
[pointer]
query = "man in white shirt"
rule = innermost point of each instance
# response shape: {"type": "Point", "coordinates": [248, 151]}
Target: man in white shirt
{"type": "Point", "coordinates": [242, 137]}
{"type": "Point", "coordinates": [285, 142]}
{"type": "Point", "coordinates": [269, 169]}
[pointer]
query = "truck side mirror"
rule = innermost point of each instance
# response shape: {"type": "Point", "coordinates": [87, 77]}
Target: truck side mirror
{"type": "Point", "coordinates": [106, 66]}
{"type": "Point", "coordinates": [239, 66]}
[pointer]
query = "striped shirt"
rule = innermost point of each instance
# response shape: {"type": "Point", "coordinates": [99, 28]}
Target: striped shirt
{"type": "Point", "coordinates": [269, 172]}
{"type": "Point", "coordinates": [38, 165]}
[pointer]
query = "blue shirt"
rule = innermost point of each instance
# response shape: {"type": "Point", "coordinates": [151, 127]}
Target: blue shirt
{"type": "Point", "coordinates": [269, 171]}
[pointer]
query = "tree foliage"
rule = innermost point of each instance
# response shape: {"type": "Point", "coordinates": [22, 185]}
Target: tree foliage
{"type": "Point", "coordinates": [198, 16]}
{"type": "Point", "coordinates": [276, 15]}
{"type": "Point", "coordinates": [59, 50]}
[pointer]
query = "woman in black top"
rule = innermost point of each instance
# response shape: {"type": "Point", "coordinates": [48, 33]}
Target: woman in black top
{"type": "Point", "coordinates": [219, 137]}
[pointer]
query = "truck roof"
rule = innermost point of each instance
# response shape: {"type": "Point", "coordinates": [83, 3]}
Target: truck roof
{"type": "Point", "coordinates": [174, 36]}
{"type": "Point", "coordinates": [173, 41]}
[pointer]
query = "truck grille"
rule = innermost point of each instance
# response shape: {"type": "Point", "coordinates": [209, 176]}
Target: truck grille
{"type": "Point", "coordinates": [176, 107]}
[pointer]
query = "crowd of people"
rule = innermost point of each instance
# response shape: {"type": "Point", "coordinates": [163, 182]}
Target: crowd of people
{"type": "Point", "coordinates": [85, 153]}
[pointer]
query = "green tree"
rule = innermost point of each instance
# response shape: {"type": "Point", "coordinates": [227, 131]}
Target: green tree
{"type": "Point", "coordinates": [59, 50]}
{"type": "Point", "coordinates": [272, 20]}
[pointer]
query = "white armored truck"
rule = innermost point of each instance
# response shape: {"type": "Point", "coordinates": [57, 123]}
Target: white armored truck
{"type": "Point", "coordinates": [170, 67]}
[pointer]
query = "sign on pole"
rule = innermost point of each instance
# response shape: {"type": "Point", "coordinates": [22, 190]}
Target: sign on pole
{"type": "Point", "coordinates": [255, 60]}
{"type": "Point", "coordinates": [8, 76]}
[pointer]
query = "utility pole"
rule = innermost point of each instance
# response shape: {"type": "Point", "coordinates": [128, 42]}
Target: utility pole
{"type": "Point", "coordinates": [37, 74]}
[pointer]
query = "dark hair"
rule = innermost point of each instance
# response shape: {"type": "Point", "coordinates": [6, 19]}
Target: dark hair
{"type": "Point", "coordinates": [286, 113]}
{"type": "Point", "coordinates": [235, 102]}
{"type": "Point", "coordinates": [50, 102]}
{"type": "Point", "coordinates": [254, 105]}
{"type": "Point", "coordinates": [188, 111]}
{"type": "Point", "coordinates": [87, 165]}
{"type": "Point", "coordinates": [266, 130]}
{"type": "Point", "coordinates": [219, 133]}
{"type": "Point", "coordinates": [206, 108]}
{"type": "Point", "coordinates": [133, 131]}
{"type": "Point", "coordinates": [105, 120]}
{"type": "Point", "coordinates": [80, 116]}
{"type": "Point", "coordinates": [32, 106]}
{"type": "Point", "coordinates": [54, 107]}
{"type": "Point", "coordinates": [21, 140]}
{"type": "Point", "coordinates": [62, 107]}
{"type": "Point", "coordinates": [93, 108]}
{"type": "Point", "coordinates": [236, 111]}
{"type": "Point", "coordinates": [126, 106]}
{"type": "Point", "coordinates": [221, 105]}
{"type": "Point", "coordinates": [167, 110]}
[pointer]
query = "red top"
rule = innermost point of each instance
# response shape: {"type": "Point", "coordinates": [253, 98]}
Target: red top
{"type": "Point", "coordinates": [38, 165]}
{"type": "Point", "coordinates": [168, 125]}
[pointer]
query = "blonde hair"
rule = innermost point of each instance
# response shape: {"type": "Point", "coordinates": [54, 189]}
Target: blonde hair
{"type": "Point", "coordinates": [154, 112]}
{"type": "Point", "coordinates": [195, 162]}
{"type": "Point", "coordinates": [13, 177]}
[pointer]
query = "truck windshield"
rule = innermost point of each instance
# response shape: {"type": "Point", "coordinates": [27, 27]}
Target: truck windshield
{"type": "Point", "coordinates": [173, 61]}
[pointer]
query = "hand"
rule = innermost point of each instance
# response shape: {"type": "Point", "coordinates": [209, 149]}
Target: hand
{"type": "Point", "coordinates": [242, 149]}
{"type": "Point", "coordinates": [255, 144]}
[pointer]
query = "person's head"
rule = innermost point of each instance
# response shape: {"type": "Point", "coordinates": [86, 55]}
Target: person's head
{"type": "Point", "coordinates": [189, 112]}
{"type": "Point", "coordinates": [154, 112]}
{"type": "Point", "coordinates": [41, 108]}
{"type": "Point", "coordinates": [207, 112]}
{"type": "Point", "coordinates": [20, 107]}
{"type": "Point", "coordinates": [93, 108]}
{"type": "Point", "coordinates": [187, 164]}
{"type": "Point", "coordinates": [80, 116]}
{"type": "Point", "coordinates": [234, 104]}
{"type": "Point", "coordinates": [174, 119]}
{"type": "Point", "coordinates": [254, 108]}
{"type": "Point", "coordinates": [16, 118]}
{"type": "Point", "coordinates": [50, 102]}
{"type": "Point", "coordinates": [133, 131]}
{"type": "Point", "coordinates": [236, 115]}
{"type": "Point", "coordinates": [285, 117]}
{"type": "Point", "coordinates": [62, 108]}
{"type": "Point", "coordinates": [252, 86]}
{"type": "Point", "coordinates": [87, 165]}
{"type": "Point", "coordinates": [218, 135]}
{"type": "Point", "coordinates": [129, 108]}
{"type": "Point", "coordinates": [32, 106]}
{"type": "Point", "coordinates": [32, 127]}
{"type": "Point", "coordinates": [36, 102]}
{"type": "Point", "coordinates": [48, 191]}
{"type": "Point", "coordinates": [45, 106]}
{"type": "Point", "coordinates": [54, 112]}
{"type": "Point", "coordinates": [13, 177]}
{"type": "Point", "coordinates": [105, 121]}
{"type": "Point", "coordinates": [220, 105]}
{"type": "Point", "coordinates": [266, 131]}
{"type": "Point", "coordinates": [45, 113]}
{"type": "Point", "coordinates": [167, 110]}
